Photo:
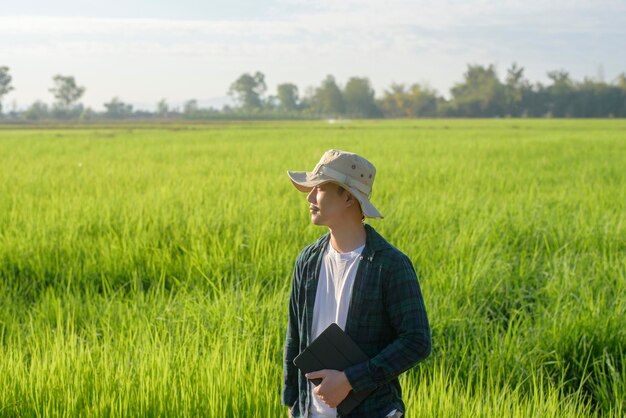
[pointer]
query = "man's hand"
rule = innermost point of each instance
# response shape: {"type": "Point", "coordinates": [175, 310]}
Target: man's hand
{"type": "Point", "coordinates": [334, 387]}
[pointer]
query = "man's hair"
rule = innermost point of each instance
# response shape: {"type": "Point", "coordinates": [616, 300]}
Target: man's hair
{"type": "Point", "coordinates": [341, 189]}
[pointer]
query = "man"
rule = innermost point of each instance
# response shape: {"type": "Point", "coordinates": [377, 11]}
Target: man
{"type": "Point", "coordinates": [351, 276]}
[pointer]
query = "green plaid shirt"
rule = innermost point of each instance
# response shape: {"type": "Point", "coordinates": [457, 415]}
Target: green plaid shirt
{"type": "Point", "coordinates": [386, 318]}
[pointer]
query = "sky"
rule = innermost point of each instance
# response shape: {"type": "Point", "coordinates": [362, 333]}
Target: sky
{"type": "Point", "coordinates": [142, 51]}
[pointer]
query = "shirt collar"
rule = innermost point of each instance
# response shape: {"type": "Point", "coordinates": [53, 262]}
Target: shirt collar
{"type": "Point", "coordinates": [373, 241]}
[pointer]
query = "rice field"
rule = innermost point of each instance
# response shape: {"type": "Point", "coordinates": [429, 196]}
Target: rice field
{"type": "Point", "coordinates": [145, 270]}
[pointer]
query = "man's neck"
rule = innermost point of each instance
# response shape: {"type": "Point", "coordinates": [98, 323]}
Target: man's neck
{"type": "Point", "coordinates": [348, 236]}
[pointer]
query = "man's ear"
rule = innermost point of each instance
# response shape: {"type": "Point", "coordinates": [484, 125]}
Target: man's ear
{"type": "Point", "coordinates": [350, 199]}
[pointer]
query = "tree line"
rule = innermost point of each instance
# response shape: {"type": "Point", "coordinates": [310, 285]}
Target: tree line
{"type": "Point", "coordinates": [481, 93]}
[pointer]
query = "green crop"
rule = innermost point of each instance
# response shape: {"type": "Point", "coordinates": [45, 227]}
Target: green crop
{"type": "Point", "coordinates": [145, 270]}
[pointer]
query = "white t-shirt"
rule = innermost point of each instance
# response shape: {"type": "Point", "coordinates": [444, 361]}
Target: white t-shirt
{"type": "Point", "coordinates": [332, 300]}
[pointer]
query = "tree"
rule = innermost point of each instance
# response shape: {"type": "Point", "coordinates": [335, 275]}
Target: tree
{"type": "Point", "coordinates": [190, 107]}
{"type": "Point", "coordinates": [536, 101]}
{"type": "Point", "coordinates": [359, 98]}
{"type": "Point", "coordinates": [162, 108]}
{"type": "Point", "coordinates": [560, 93]}
{"type": "Point", "coordinates": [593, 98]}
{"type": "Point", "coordinates": [287, 96]}
{"type": "Point", "coordinates": [118, 109]}
{"type": "Point", "coordinates": [480, 93]}
{"type": "Point", "coordinates": [66, 91]}
{"type": "Point", "coordinates": [87, 114]}
{"type": "Point", "coordinates": [515, 90]}
{"type": "Point", "coordinates": [395, 102]}
{"type": "Point", "coordinates": [328, 98]}
{"type": "Point", "coordinates": [247, 90]}
{"type": "Point", "coordinates": [307, 101]}
{"type": "Point", "coordinates": [5, 84]}
{"type": "Point", "coordinates": [416, 101]}
{"type": "Point", "coordinates": [621, 81]}
{"type": "Point", "coordinates": [36, 111]}
{"type": "Point", "coordinates": [621, 85]}
{"type": "Point", "coordinates": [424, 100]}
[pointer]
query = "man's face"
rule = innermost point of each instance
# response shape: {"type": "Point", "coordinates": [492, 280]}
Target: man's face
{"type": "Point", "coordinates": [326, 205]}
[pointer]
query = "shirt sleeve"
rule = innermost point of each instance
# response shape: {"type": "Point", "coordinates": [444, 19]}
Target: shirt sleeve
{"type": "Point", "coordinates": [407, 314]}
{"type": "Point", "coordinates": [292, 343]}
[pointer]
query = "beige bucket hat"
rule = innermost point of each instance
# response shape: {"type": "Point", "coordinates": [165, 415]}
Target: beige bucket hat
{"type": "Point", "coordinates": [348, 169]}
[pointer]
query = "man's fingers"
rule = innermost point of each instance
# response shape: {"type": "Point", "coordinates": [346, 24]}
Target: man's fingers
{"type": "Point", "coordinates": [316, 374]}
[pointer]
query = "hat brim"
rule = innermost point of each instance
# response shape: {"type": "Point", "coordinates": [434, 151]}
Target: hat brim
{"type": "Point", "coordinates": [366, 206]}
{"type": "Point", "coordinates": [304, 181]}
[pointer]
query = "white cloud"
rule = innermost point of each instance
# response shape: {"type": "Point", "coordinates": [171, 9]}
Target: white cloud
{"type": "Point", "coordinates": [372, 26]}
{"type": "Point", "coordinates": [36, 25]}
{"type": "Point", "coordinates": [396, 40]}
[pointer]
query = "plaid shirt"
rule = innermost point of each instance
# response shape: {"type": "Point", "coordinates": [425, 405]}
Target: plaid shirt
{"type": "Point", "coordinates": [386, 318]}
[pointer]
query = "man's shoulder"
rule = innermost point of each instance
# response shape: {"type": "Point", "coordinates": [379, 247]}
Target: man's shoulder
{"type": "Point", "coordinates": [386, 253]}
{"type": "Point", "coordinates": [308, 252]}
{"type": "Point", "coordinates": [390, 257]}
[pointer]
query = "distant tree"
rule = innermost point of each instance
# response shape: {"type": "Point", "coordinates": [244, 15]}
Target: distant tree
{"type": "Point", "coordinates": [66, 91]}
{"type": "Point", "coordinates": [516, 89]}
{"type": "Point", "coordinates": [359, 98]}
{"type": "Point", "coordinates": [416, 101]}
{"type": "Point", "coordinates": [396, 102]}
{"type": "Point", "coordinates": [536, 101]}
{"type": "Point", "coordinates": [118, 109]}
{"type": "Point", "coordinates": [560, 94]}
{"type": "Point", "coordinates": [190, 108]}
{"type": "Point", "coordinates": [424, 100]}
{"type": "Point", "coordinates": [620, 81]}
{"type": "Point", "coordinates": [271, 102]}
{"type": "Point", "coordinates": [37, 111]}
{"type": "Point", "coordinates": [248, 90]}
{"type": "Point", "coordinates": [621, 84]}
{"type": "Point", "coordinates": [480, 93]}
{"type": "Point", "coordinates": [162, 108]}
{"type": "Point", "coordinates": [307, 100]}
{"type": "Point", "coordinates": [287, 94]}
{"type": "Point", "coordinates": [87, 114]}
{"type": "Point", "coordinates": [593, 98]}
{"type": "Point", "coordinates": [5, 84]}
{"type": "Point", "coordinates": [328, 98]}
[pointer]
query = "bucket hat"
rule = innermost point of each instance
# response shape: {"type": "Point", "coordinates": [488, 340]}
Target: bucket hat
{"type": "Point", "coordinates": [350, 170]}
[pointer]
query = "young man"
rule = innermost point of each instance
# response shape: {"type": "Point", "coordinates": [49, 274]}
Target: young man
{"type": "Point", "coordinates": [351, 276]}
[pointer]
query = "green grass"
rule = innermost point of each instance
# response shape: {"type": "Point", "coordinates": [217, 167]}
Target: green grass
{"type": "Point", "coordinates": [145, 271]}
